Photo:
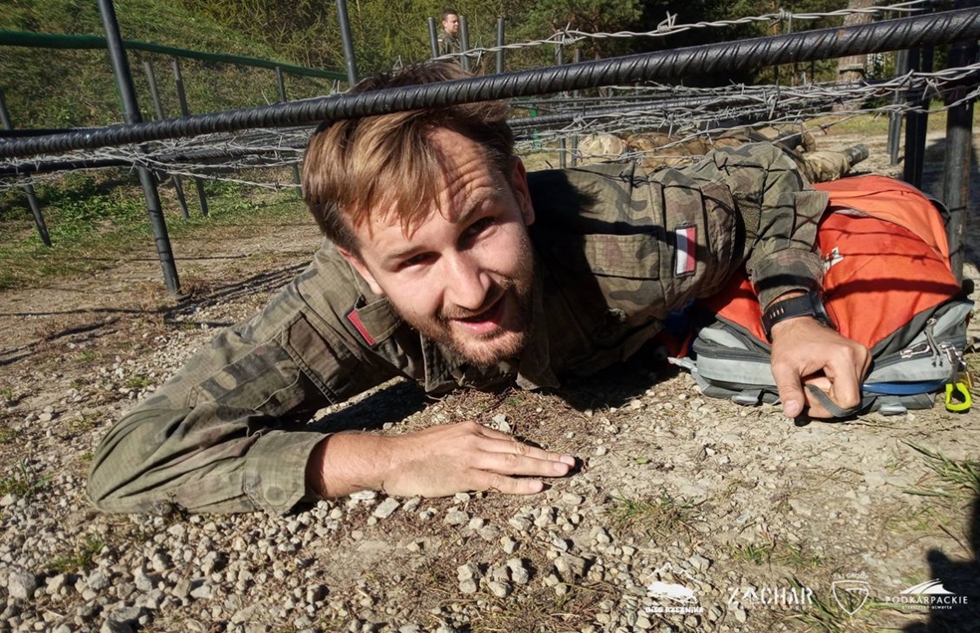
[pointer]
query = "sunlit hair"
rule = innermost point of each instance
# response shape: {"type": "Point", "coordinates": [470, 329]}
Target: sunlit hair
{"type": "Point", "coordinates": [389, 163]}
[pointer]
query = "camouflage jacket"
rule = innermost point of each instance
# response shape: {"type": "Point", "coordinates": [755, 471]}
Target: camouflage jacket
{"type": "Point", "coordinates": [616, 250]}
{"type": "Point", "coordinates": [449, 44]}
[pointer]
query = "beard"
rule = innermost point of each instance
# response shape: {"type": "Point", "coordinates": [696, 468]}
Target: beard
{"type": "Point", "coordinates": [511, 296]}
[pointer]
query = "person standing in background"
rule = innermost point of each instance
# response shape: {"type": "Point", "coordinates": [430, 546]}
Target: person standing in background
{"type": "Point", "coordinates": [449, 37]}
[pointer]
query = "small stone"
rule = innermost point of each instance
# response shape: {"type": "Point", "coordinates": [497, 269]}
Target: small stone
{"type": "Point", "coordinates": [364, 495]}
{"type": "Point", "coordinates": [182, 589]}
{"type": "Point", "coordinates": [740, 615]}
{"type": "Point", "coordinates": [386, 508]}
{"type": "Point", "coordinates": [500, 423]}
{"type": "Point", "coordinates": [601, 536]}
{"type": "Point", "coordinates": [9, 499]}
{"type": "Point", "coordinates": [127, 615]}
{"type": "Point", "coordinates": [468, 571]}
{"type": "Point", "coordinates": [520, 523]}
{"type": "Point", "coordinates": [699, 562]}
{"type": "Point", "coordinates": [21, 585]}
{"type": "Point", "coordinates": [518, 573]}
{"type": "Point", "coordinates": [468, 586]}
{"type": "Point", "coordinates": [143, 582]}
{"type": "Point", "coordinates": [97, 580]}
{"type": "Point", "coordinates": [411, 504]}
{"type": "Point", "coordinates": [498, 588]}
{"type": "Point", "coordinates": [508, 544]}
{"type": "Point", "coordinates": [456, 517]}
{"type": "Point", "coordinates": [55, 583]}
{"type": "Point", "coordinates": [570, 566]}
{"type": "Point", "coordinates": [201, 593]}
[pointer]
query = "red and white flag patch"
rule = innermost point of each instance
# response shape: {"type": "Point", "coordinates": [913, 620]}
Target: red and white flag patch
{"type": "Point", "coordinates": [686, 243]}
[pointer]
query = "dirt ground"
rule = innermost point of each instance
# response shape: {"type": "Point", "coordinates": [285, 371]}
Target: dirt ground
{"type": "Point", "coordinates": [767, 525]}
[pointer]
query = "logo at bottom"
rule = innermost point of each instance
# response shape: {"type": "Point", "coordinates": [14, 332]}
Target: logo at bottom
{"type": "Point", "coordinates": [850, 595]}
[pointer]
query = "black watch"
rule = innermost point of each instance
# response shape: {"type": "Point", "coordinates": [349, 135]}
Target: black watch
{"type": "Point", "coordinates": [809, 304]}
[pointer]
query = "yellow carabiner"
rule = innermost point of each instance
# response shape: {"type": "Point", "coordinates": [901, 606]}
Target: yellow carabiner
{"type": "Point", "coordinates": [958, 397]}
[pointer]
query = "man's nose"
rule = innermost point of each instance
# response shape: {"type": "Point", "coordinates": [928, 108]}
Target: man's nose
{"type": "Point", "coordinates": [467, 284]}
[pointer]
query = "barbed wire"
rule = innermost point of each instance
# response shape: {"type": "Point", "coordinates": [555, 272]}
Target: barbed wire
{"type": "Point", "coordinates": [681, 113]}
{"type": "Point", "coordinates": [568, 36]}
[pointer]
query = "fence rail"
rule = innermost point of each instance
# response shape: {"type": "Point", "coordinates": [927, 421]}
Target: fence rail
{"type": "Point", "coordinates": [95, 42]}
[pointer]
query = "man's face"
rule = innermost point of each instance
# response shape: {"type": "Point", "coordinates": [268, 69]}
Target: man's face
{"type": "Point", "coordinates": [463, 277]}
{"type": "Point", "coordinates": [450, 24]}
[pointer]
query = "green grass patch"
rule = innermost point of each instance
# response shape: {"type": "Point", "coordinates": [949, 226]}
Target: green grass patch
{"type": "Point", "coordinates": [22, 484]}
{"type": "Point", "coordinates": [99, 221]}
{"type": "Point", "coordinates": [81, 559]}
{"type": "Point", "coordinates": [795, 556]}
{"type": "Point", "coordinates": [7, 435]}
{"type": "Point", "coordinates": [660, 516]}
{"type": "Point", "coordinates": [959, 478]}
{"type": "Point", "coordinates": [877, 124]}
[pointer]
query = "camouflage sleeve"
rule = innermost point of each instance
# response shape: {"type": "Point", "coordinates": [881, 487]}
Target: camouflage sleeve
{"type": "Point", "coordinates": [225, 434]}
{"type": "Point", "coordinates": [780, 212]}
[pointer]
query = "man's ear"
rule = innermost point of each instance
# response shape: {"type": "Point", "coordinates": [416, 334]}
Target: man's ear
{"type": "Point", "coordinates": [518, 176]}
{"type": "Point", "coordinates": [362, 269]}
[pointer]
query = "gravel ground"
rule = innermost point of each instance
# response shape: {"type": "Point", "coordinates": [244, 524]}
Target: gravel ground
{"type": "Point", "coordinates": [688, 514]}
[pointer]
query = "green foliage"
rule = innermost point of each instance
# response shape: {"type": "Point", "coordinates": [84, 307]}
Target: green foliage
{"type": "Point", "coordinates": [653, 516]}
{"type": "Point", "coordinates": [22, 484]}
{"type": "Point", "coordinates": [73, 88]}
{"type": "Point", "coordinates": [960, 478]}
{"type": "Point", "coordinates": [80, 560]}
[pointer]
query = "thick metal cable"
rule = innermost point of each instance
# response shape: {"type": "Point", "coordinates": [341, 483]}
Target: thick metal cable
{"type": "Point", "coordinates": [926, 30]}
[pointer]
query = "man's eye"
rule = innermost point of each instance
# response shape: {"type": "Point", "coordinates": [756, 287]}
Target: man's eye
{"type": "Point", "coordinates": [415, 260]}
{"type": "Point", "coordinates": [479, 226]}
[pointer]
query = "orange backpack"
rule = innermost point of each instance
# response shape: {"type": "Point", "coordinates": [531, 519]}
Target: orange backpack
{"type": "Point", "coordinates": [887, 284]}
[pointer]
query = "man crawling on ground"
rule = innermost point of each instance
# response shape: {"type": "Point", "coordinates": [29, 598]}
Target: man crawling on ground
{"type": "Point", "coordinates": [445, 262]}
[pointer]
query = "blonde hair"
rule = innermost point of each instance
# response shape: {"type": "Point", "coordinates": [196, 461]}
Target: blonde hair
{"type": "Point", "coordinates": [355, 167]}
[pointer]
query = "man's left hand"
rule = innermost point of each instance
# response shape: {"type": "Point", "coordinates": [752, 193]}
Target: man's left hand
{"type": "Point", "coordinates": [806, 352]}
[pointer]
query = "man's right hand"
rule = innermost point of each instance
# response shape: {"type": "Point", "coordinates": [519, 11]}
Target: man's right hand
{"type": "Point", "coordinates": [435, 462]}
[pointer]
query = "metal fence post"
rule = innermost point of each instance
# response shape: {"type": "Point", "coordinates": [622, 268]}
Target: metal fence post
{"type": "Point", "coordinates": [42, 228]}
{"type": "Point", "coordinates": [895, 119]}
{"type": "Point", "coordinates": [281, 81]}
{"type": "Point", "coordinates": [917, 121]}
{"type": "Point", "coordinates": [575, 94]}
{"type": "Point", "coordinates": [186, 111]}
{"type": "Point", "coordinates": [464, 42]}
{"type": "Point", "coordinates": [500, 46]}
{"type": "Point", "coordinates": [131, 112]}
{"type": "Point", "coordinates": [151, 78]}
{"type": "Point", "coordinates": [348, 42]}
{"type": "Point", "coordinates": [959, 154]}
{"type": "Point", "coordinates": [433, 38]}
{"type": "Point", "coordinates": [562, 145]}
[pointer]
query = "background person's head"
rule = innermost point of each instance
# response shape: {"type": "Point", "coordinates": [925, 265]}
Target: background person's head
{"type": "Point", "coordinates": [450, 21]}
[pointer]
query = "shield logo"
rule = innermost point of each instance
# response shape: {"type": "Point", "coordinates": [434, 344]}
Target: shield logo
{"type": "Point", "coordinates": [850, 595]}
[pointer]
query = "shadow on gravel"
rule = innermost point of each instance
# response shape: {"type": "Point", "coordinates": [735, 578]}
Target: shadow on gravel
{"type": "Point", "coordinates": [961, 578]}
{"type": "Point", "coordinates": [619, 384]}
{"type": "Point", "coordinates": [269, 281]}
{"type": "Point", "coordinates": [393, 404]}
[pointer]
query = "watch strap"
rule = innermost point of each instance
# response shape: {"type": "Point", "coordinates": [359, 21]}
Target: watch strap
{"type": "Point", "coordinates": [809, 304]}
